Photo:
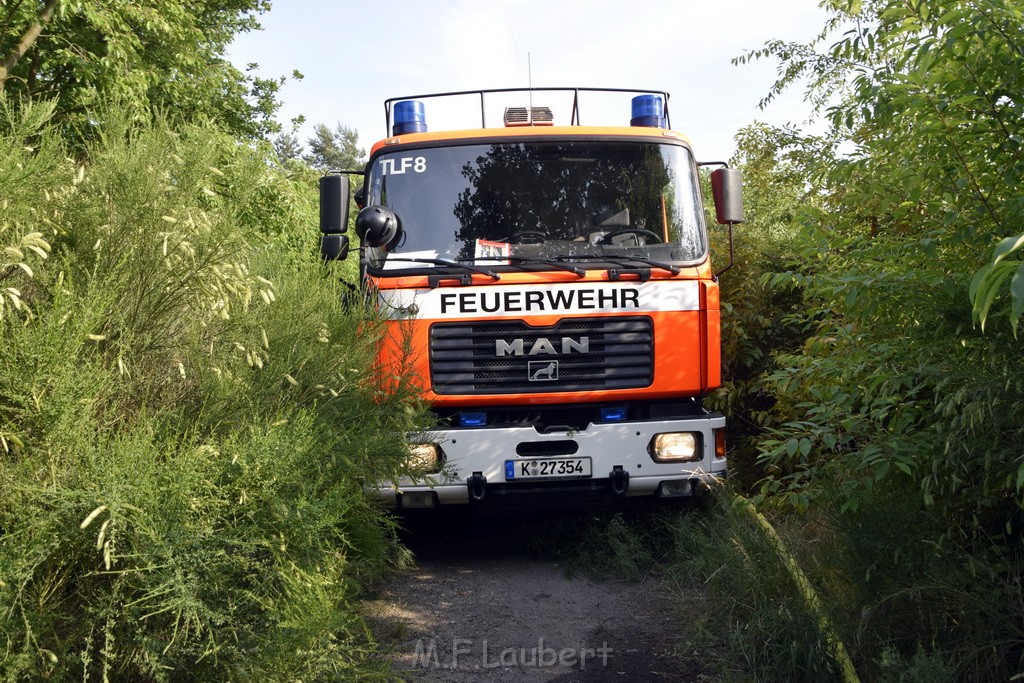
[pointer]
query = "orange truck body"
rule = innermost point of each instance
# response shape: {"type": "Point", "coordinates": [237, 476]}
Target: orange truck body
{"type": "Point", "coordinates": [564, 350]}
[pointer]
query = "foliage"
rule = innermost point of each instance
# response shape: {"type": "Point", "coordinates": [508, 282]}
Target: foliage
{"type": "Point", "coordinates": [760, 319]}
{"type": "Point", "coordinates": [894, 382]}
{"type": "Point", "coordinates": [21, 167]}
{"type": "Point", "coordinates": [757, 623]}
{"type": "Point", "coordinates": [888, 427]}
{"type": "Point", "coordinates": [985, 286]}
{"type": "Point", "coordinates": [154, 55]}
{"type": "Point", "coordinates": [188, 416]}
{"type": "Point", "coordinates": [336, 149]}
{"type": "Point", "coordinates": [879, 574]}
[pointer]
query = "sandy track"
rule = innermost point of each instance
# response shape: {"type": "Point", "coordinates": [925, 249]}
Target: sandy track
{"type": "Point", "coordinates": [477, 607]}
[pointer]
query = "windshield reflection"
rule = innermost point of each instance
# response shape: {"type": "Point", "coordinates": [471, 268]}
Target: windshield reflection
{"type": "Point", "coordinates": [506, 203]}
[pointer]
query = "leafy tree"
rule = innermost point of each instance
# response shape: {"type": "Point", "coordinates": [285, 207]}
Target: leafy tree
{"type": "Point", "coordinates": [887, 417]}
{"type": "Point", "coordinates": [21, 42]}
{"type": "Point", "coordinates": [895, 386]}
{"type": "Point", "coordinates": [760, 320]}
{"type": "Point", "coordinates": [165, 55]}
{"type": "Point", "coordinates": [334, 149]}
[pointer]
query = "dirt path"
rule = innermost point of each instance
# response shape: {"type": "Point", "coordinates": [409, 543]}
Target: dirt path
{"type": "Point", "coordinates": [478, 607]}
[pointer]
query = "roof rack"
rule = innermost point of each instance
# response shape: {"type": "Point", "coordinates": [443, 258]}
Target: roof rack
{"type": "Point", "coordinates": [574, 119]}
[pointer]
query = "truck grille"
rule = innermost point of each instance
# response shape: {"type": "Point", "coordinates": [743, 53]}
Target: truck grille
{"type": "Point", "coordinates": [511, 357]}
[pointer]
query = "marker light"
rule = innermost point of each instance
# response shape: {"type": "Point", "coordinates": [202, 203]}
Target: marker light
{"type": "Point", "coordinates": [719, 443]}
{"type": "Point", "coordinates": [473, 419]}
{"type": "Point", "coordinates": [410, 117]}
{"type": "Point", "coordinates": [613, 414]}
{"type": "Point", "coordinates": [648, 110]}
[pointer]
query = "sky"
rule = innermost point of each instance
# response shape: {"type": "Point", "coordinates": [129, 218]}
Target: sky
{"type": "Point", "coordinates": [354, 55]}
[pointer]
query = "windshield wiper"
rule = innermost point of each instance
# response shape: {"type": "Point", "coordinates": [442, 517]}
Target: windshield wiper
{"type": "Point", "coordinates": [675, 270]}
{"type": "Point", "coordinates": [578, 272]}
{"type": "Point", "coordinates": [619, 260]}
{"type": "Point", "coordinates": [445, 262]}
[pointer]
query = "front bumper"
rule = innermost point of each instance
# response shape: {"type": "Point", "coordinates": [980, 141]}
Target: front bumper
{"type": "Point", "coordinates": [474, 470]}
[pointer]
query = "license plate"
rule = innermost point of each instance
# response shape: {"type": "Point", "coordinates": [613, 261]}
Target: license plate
{"type": "Point", "coordinates": [547, 468]}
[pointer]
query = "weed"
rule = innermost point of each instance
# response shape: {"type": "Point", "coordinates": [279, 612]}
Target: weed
{"type": "Point", "coordinates": [189, 418]}
{"type": "Point", "coordinates": [906, 604]}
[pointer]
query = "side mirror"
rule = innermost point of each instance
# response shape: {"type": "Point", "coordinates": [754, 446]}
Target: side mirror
{"type": "Point", "coordinates": [333, 204]}
{"type": "Point", "coordinates": [727, 187]}
{"type": "Point", "coordinates": [333, 216]}
{"type": "Point", "coordinates": [334, 247]}
{"type": "Point", "coordinates": [376, 225]}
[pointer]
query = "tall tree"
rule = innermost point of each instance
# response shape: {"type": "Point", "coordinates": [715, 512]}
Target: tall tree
{"type": "Point", "coordinates": [287, 147]}
{"type": "Point", "coordinates": [165, 55]}
{"type": "Point", "coordinates": [334, 149]}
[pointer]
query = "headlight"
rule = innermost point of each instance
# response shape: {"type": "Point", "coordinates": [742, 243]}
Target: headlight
{"type": "Point", "coordinates": [675, 447]}
{"type": "Point", "coordinates": [424, 458]}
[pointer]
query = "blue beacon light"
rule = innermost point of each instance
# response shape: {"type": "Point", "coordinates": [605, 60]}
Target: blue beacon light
{"type": "Point", "coordinates": [616, 414]}
{"type": "Point", "coordinates": [410, 117]}
{"type": "Point", "coordinates": [649, 111]}
{"type": "Point", "coordinates": [473, 419]}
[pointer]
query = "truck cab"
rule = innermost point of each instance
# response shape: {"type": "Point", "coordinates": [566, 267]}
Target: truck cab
{"type": "Point", "coordinates": [548, 290]}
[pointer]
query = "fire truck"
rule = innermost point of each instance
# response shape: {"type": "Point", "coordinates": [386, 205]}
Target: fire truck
{"type": "Point", "coordinates": [547, 288]}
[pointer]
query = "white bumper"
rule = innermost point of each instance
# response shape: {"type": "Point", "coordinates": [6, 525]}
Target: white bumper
{"type": "Point", "coordinates": [484, 451]}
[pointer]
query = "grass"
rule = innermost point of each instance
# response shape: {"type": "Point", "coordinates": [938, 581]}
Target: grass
{"type": "Point", "coordinates": [907, 605]}
{"type": "Point", "coordinates": [188, 413]}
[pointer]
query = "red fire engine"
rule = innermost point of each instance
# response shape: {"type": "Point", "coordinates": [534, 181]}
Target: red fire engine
{"type": "Point", "coordinates": [549, 290]}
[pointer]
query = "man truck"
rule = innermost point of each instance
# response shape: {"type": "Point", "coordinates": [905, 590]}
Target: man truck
{"type": "Point", "coordinates": [547, 288]}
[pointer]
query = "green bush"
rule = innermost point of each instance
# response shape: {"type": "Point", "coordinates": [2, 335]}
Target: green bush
{"type": "Point", "coordinates": [761, 319]}
{"type": "Point", "coordinates": [905, 607]}
{"type": "Point", "coordinates": [886, 422]}
{"type": "Point", "coordinates": [189, 416]}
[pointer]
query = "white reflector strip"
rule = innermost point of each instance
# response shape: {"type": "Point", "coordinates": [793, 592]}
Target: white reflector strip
{"type": "Point", "coordinates": [523, 301]}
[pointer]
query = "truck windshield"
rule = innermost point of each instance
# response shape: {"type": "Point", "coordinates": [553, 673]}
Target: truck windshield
{"type": "Point", "coordinates": [512, 203]}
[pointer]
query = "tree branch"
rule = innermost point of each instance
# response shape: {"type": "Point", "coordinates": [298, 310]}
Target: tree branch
{"type": "Point", "coordinates": [26, 41]}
